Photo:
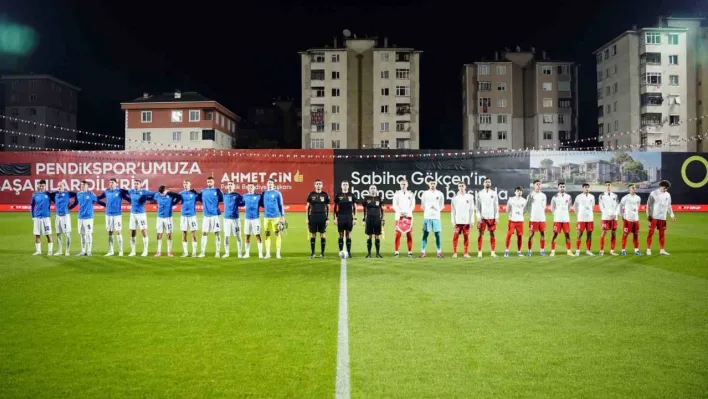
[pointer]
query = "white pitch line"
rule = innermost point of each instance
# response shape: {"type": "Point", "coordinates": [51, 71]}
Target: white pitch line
{"type": "Point", "coordinates": [343, 388]}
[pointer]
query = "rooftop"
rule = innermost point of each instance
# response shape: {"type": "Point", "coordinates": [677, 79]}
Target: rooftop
{"type": "Point", "coordinates": [174, 97]}
{"type": "Point", "coordinates": [32, 77]}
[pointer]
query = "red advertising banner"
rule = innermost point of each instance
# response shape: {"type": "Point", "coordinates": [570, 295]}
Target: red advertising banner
{"type": "Point", "coordinates": [294, 171]}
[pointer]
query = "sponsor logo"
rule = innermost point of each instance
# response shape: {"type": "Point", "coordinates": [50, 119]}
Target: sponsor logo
{"type": "Point", "coordinates": [689, 182]}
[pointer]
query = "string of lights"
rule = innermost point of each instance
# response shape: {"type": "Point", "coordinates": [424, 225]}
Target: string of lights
{"type": "Point", "coordinates": [60, 139]}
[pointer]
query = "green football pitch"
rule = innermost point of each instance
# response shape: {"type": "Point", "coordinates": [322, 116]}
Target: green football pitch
{"type": "Point", "coordinates": [602, 327]}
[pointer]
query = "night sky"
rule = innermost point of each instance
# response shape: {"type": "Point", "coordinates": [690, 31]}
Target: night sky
{"type": "Point", "coordinates": [246, 55]}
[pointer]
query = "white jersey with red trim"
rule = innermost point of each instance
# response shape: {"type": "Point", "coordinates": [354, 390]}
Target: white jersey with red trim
{"type": "Point", "coordinates": [560, 206]}
{"type": "Point", "coordinates": [584, 206]}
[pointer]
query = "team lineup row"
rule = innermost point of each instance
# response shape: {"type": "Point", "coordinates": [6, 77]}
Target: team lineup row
{"type": "Point", "coordinates": [465, 209]}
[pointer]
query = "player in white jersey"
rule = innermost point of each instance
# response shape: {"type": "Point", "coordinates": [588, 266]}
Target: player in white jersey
{"type": "Point", "coordinates": [560, 207]}
{"type": "Point", "coordinates": [462, 211]}
{"type": "Point", "coordinates": [536, 208]}
{"type": "Point", "coordinates": [629, 210]}
{"type": "Point", "coordinates": [487, 216]}
{"type": "Point", "coordinates": [609, 205]}
{"type": "Point", "coordinates": [403, 206]}
{"type": "Point", "coordinates": [584, 206]}
{"type": "Point", "coordinates": [658, 206]}
{"type": "Point", "coordinates": [515, 209]}
{"type": "Point", "coordinates": [432, 202]}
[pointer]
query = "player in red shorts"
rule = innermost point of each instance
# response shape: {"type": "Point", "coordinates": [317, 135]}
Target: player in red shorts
{"type": "Point", "coordinates": [536, 207]}
{"type": "Point", "coordinates": [609, 207]}
{"type": "Point", "coordinates": [629, 210]}
{"type": "Point", "coordinates": [488, 214]}
{"type": "Point", "coordinates": [403, 206]}
{"type": "Point", "coordinates": [658, 205]}
{"type": "Point", "coordinates": [584, 206]}
{"type": "Point", "coordinates": [462, 216]}
{"type": "Point", "coordinates": [560, 207]}
{"type": "Point", "coordinates": [515, 209]}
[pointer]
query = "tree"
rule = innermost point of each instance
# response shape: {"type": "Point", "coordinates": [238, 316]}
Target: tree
{"type": "Point", "coordinates": [635, 171]}
{"type": "Point", "coordinates": [620, 158]}
{"type": "Point", "coordinates": [546, 163]}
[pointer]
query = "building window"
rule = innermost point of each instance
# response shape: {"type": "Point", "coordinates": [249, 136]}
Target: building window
{"type": "Point", "coordinates": [210, 116]}
{"type": "Point", "coordinates": [401, 126]}
{"type": "Point", "coordinates": [600, 129]}
{"type": "Point", "coordinates": [32, 98]}
{"type": "Point", "coordinates": [561, 119]}
{"type": "Point", "coordinates": [485, 101]}
{"type": "Point", "coordinates": [673, 80]}
{"type": "Point", "coordinates": [501, 69]}
{"type": "Point", "coordinates": [384, 74]}
{"type": "Point", "coordinates": [13, 98]}
{"type": "Point", "coordinates": [176, 136]}
{"type": "Point", "coordinates": [484, 86]}
{"type": "Point", "coordinates": [384, 109]}
{"type": "Point", "coordinates": [13, 139]}
{"type": "Point", "coordinates": [483, 69]}
{"type": "Point", "coordinates": [14, 112]}
{"type": "Point", "coordinates": [548, 135]}
{"type": "Point", "coordinates": [385, 57]}
{"type": "Point", "coordinates": [146, 116]}
{"type": "Point", "coordinates": [609, 109]}
{"type": "Point", "coordinates": [674, 120]}
{"type": "Point", "coordinates": [317, 74]}
{"type": "Point", "coordinates": [335, 109]}
{"type": "Point", "coordinates": [335, 92]}
{"type": "Point", "coordinates": [384, 91]}
{"type": "Point", "coordinates": [651, 78]}
{"type": "Point", "coordinates": [607, 53]}
{"type": "Point", "coordinates": [502, 119]}
{"type": "Point", "coordinates": [32, 84]}
{"type": "Point", "coordinates": [615, 68]}
{"type": "Point", "coordinates": [501, 102]}
{"type": "Point", "coordinates": [547, 70]}
{"type": "Point", "coordinates": [401, 143]}
{"type": "Point", "coordinates": [336, 144]}
{"type": "Point", "coordinates": [195, 115]}
{"type": "Point", "coordinates": [547, 103]}
{"type": "Point", "coordinates": [547, 118]}
{"type": "Point", "coordinates": [600, 111]}
{"type": "Point", "coordinates": [564, 86]}
{"type": "Point", "coordinates": [562, 69]}
{"type": "Point", "coordinates": [317, 143]}
{"type": "Point", "coordinates": [563, 103]}
{"type": "Point", "coordinates": [317, 57]}
{"type": "Point", "coordinates": [614, 49]}
{"type": "Point", "coordinates": [616, 125]}
{"type": "Point", "coordinates": [403, 73]}
{"type": "Point", "coordinates": [599, 76]}
{"type": "Point", "coordinates": [608, 90]}
{"type": "Point", "coordinates": [384, 126]}
{"type": "Point", "coordinates": [335, 126]}
{"type": "Point", "coordinates": [607, 73]}
{"type": "Point", "coordinates": [563, 135]}
{"type": "Point", "coordinates": [194, 136]}
{"type": "Point", "coordinates": [653, 38]}
{"type": "Point", "coordinates": [402, 91]}
{"type": "Point", "coordinates": [32, 126]}
{"type": "Point", "coordinates": [614, 88]}
{"type": "Point", "coordinates": [146, 136]}
{"type": "Point", "coordinates": [403, 57]}
{"type": "Point", "coordinates": [599, 94]}
{"type": "Point", "coordinates": [614, 107]}
{"type": "Point", "coordinates": [383, 144]}
{"type": "Point", "coordinates": [547, 86]}
{"type": "Point", "coordinates": [598, 58]}
{"type": "Point", "coordinates": [318, 92]}
{"type": "Point", "coordinates": [335, 57]}
{"type": "Point", "coordinates": [32, 111]}
{"type": "Point", "coordinates": [13, 125]}
{"type": "Point", "coordinates": [501, 135]}
{"type": "Point", "coordinates": [176, 116]}
{"type": "Point", "coordinates": [673, 60]}
{"type": "Point", "coordinates": [335, 75]}
{"type": "Point", "coordinates": [485, 119]}
{"type": "Point", "coordinates": [501, 86]}
{"type": "Point", "coordinates": [673, 38]}
{"type": "Point", "coordinates": [485, 134]}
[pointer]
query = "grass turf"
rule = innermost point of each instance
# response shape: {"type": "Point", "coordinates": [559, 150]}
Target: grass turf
{"type": "Point", "coordinates": [518, 327]}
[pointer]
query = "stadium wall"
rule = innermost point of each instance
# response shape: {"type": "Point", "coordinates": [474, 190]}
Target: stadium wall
{"type": "Point", "coordinates": [295, 171]}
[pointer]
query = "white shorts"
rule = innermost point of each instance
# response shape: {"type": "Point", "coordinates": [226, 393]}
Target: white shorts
{"type": "Point", "coordinates": [188, 223]}
{"type": "Point", "coordinates": [114, 223]}
{"type": "Point", "coordinates": [42, 226]}
{"type": "Point", "coordinates": [252, 227]}
{"type": "Point", "coordinates": [138, 221]}
{"type": "Point", "coordinates": [232, 227]}
{"type": "Point", "coordinates": [63, 224]}
{"type": "Point", "coordinates": [164, 225]}
{"type": "Point", "coordinates": [85, 226]}
{"type": "Point", "coordinates": [211, 224]}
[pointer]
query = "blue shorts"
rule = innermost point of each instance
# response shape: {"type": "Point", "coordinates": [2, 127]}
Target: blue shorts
{"type": "Point", "coordinates": [431, 225]}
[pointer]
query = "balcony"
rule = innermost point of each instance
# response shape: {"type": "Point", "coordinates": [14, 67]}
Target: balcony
{"type": "Point", "coordinates": [651, 120]}
{"type": "Point", "coordinates": [650, 59]}
{"type": "Point", "coordinates": [650, 101]}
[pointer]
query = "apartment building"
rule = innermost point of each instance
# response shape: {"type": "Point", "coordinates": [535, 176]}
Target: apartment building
{"type": "Point", "coordinates": [649, 87]}
{"type": "Point", "coordinates": [519, 100]}
{"type": "Point", "coordinates": [178, 121]}
{"type": "Point", "coordinates": [364, 94]}
{"type": "Point", "coordinates": [46, 109]}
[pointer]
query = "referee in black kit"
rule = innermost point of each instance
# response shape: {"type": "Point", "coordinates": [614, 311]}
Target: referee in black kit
{"type": "Point", "coordinates": [317, 217]}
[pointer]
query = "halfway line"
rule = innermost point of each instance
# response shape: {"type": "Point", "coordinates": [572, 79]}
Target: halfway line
{"type": "Point", "coordinates": [343, 389]}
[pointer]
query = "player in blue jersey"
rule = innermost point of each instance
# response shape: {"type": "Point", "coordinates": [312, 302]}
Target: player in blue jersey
{"type": "Point", "coordinates": [138, 217]}
{"type": "Point", "coordinates": [39, 209]}
{"type": "Point", "coordinates": [273, 216]}
{"type": "Point", "coordinates": [232, 223]}
{"type": "Point", "coordinates": [62, 220]}
{"type": "Point", "coordinates": [85, 200]}
{"type": "Point", "coordinates": [165, 201]}
{"type": "Point", "coordinates": [188, 218]}
{"type": "Point", "coordinates": [114, 216]}
{"type": "Point", "coordinates": [252, 224]}
{"type": "Point", "coordinates": [210, 198]}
